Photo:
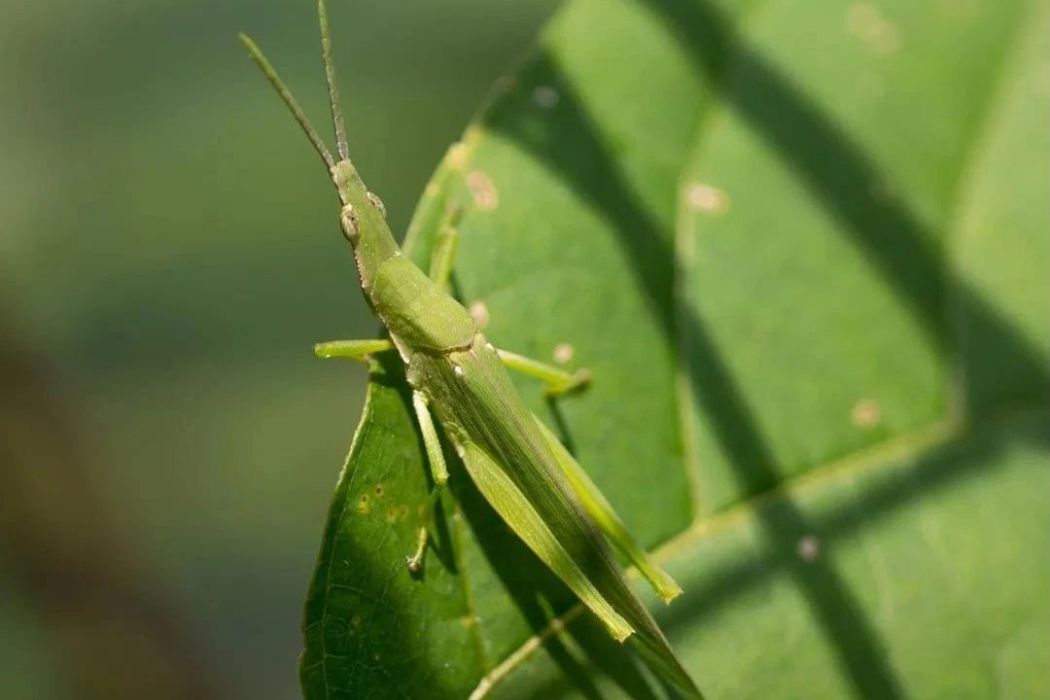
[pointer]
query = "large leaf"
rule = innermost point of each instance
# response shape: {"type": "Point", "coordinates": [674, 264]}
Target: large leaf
{"type": "Point", "coordinates": [801, 247]}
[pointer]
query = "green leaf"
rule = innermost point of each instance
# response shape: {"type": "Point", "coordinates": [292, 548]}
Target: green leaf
{"type": "Point", "coordinates": [802, 250]}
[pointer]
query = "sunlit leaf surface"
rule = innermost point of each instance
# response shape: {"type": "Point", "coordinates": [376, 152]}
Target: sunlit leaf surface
{"type": "Point", "coordinates": [802, 248]}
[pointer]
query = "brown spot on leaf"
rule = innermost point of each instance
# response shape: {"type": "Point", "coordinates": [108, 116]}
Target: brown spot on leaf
{"type": "Point", "coordinates": [480, 313]}
{"type": "Point", "coordinates": [865, 21]}
{"type": "Point", "coordinates": [563, 353]}
{"type": "Point", "coordinates": [866, 413]}
{"type": "Point", "coordinates": [481, 188]}
{"type": "Point", "coordinates": [364, 505]}
{"type": "Point", "coordinates": [706, 198]}
{"type": "Point", "coordinates": [808, 548]}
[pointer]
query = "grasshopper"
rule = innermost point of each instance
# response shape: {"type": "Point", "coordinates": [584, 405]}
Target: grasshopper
{"type": "Point", "coordinates": [458, 377]}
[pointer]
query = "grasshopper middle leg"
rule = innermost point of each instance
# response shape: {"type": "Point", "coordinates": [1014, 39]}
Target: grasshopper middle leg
{"type": "Point", "coordinates": [556, 381]}
{"type": "Point", "coordinates": [438, 469]}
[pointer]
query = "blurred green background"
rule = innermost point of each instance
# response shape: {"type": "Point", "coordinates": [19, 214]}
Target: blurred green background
{"type": "Point", "coordinates": [168, 254]}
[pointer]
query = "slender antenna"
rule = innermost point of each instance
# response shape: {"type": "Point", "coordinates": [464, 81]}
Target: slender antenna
{"type": "Point", "coordinates": [333, 87]}
{"type": "Point", "coordinates": [289, 100]}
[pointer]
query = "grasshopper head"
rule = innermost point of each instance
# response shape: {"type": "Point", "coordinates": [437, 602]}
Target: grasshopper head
{"type": "Point", "coordinates": [363, 216]}
{"type": "Point", "coordinates": [362, 210]}
{"type": "Point", "coordinates": [363, 220]}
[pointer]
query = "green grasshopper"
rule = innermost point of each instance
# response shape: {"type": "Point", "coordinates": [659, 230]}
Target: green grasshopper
{"type": "Point", "coordinates": [458, 376]}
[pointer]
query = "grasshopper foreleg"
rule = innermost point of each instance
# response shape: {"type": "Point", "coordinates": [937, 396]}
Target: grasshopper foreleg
{"type": "Point", "coordinates": [359, 350]}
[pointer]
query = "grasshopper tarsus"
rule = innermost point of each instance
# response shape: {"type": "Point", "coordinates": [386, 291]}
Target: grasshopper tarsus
{"type": "Point", "coordinates": [571, 384]}
{"type": "Point", "coordinates": [415, 560]}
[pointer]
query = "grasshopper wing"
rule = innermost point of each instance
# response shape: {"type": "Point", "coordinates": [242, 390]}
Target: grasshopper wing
{"type": "Point", "coordinates": [596, 580]}
{"type": "Point", "coordinates": [606, 518]}
{"type": "Point", "coordinates": [516, 471]}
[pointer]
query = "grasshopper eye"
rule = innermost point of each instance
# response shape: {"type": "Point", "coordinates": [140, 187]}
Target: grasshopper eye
{"type": "Point", "coordinates": [348, 220]}
{"type": "Point", "coordinates": [376, 202]}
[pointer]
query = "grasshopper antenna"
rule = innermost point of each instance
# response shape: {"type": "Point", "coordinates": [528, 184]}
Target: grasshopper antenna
{"type": "Point", "coordinates": [286, 95]}
{"type": "Point", "coordinates": [333, 88]}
